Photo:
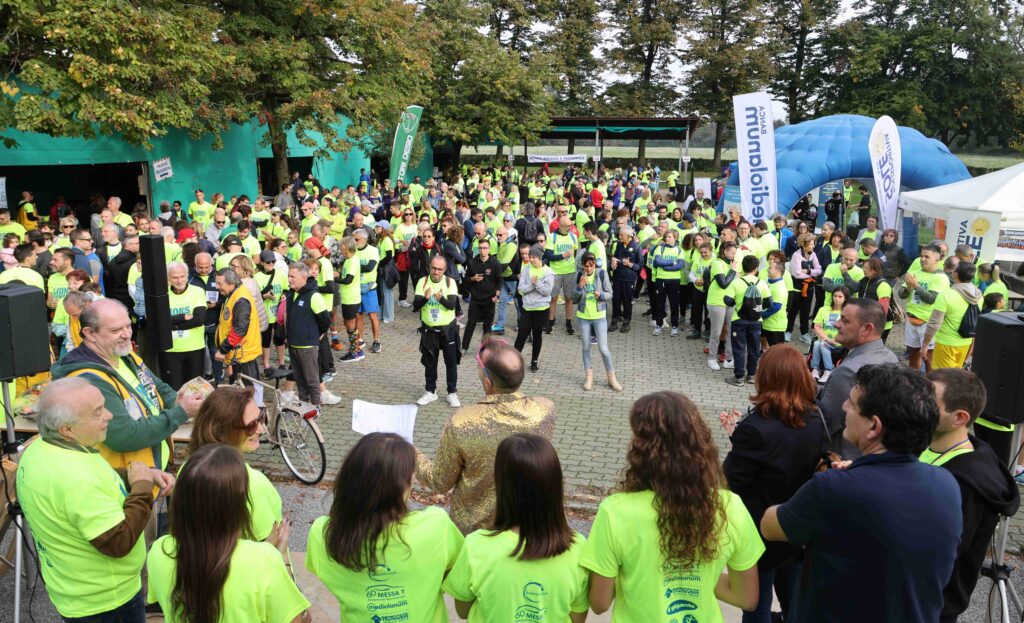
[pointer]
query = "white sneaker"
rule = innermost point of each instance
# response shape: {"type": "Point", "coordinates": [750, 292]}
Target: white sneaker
{"type": "Point", "coordinates": [327, 398]}
{"type": "Point", "coordinates": [824, 376]}
{"type": "Point", "coordinates": [675, 331]}
{"type": "Point", "coordinates": [453, 401]}
{"type": "Point", "coordinates": [816, 374]}
{"type": "Point", "coordinates": [713, 364]}
{"type": "Point", "coordinates": [657, 330]}
{"type": "Point", "coordinates": [287, 396]}
{"type": "Point", "coordinates": [789, 336]}
{"type": "Point", "coordinates": [426, 398]}
{"type": "Point", "coordinates": [728, 365]}
{"type": "Point", "coordinates": [806, 338]}
{"type": "Point", "coordinates": [404, 304]}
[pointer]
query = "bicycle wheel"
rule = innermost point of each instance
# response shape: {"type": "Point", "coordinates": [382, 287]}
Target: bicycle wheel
{"type": "Point", "coordinates": [301, 446]}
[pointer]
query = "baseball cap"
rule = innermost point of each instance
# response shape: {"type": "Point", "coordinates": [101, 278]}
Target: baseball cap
{"type": "Point", "coordinates": [268, 256]}
{"type": "Point", "coordinates": [232, 239]}
{"type": "Point", "coordinates": [386, 226]}
{"type": "Point", "coordinates": [185, 234]}
{"type": "Point", "coordinates": [275, 209]}
{"type": "Point", "coordinates": [314, 243]}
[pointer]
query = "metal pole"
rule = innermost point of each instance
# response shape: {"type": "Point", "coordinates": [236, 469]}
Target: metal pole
{"type": "Point", "coordinates": [14, 510]}
{"type": "Point", "coordinates": [597, 141]}
{"type": "Point", "coordinates": [686, 164]}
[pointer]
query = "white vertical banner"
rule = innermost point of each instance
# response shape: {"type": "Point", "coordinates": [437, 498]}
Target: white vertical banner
{"type": "Point", "coordinates": [3, 193]}
{"type": "Point", "coordinates": [977, 228]}
{"type": "Point", "coordinates": [886, 165]}
{"type": "Point", "coordinates": [755, 142]}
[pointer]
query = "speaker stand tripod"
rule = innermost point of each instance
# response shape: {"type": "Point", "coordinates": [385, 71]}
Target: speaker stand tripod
{"type": "Point", "coordinates": [997, 570]}
{"type": "Point", "coordinates": [10, 449]}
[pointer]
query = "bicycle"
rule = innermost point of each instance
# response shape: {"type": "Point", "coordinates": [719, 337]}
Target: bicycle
{"type": "Point", "coordinates": [291, 427]}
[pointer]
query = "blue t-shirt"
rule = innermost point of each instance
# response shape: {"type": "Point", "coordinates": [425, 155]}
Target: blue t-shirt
{"type": "Point", "coordinates": [881, 540]}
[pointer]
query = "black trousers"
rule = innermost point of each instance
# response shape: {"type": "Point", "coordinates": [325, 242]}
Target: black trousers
{"type": "Point", "coordinates": [533, 323]}
{"type": "Point", "coordinates": [437, 342]}
{"type": "Point", "coordinates": [326, 360]}
{"type": "Point", "coordinates": [773, 337]}
{"type": "Point", "coordinates": [482, 312]}
{"type": "Point", "coordinates": [668, 292]}
{"type": "Point", "coordinates": [622, 300]}
{"type": "Point", "coordinates": [698, 309]}
{"type": "Point", "coordinates": [799, 304]}
{"type": "Point", "coordinates": [403, 284]}
{"type": "Point", "coordinates": [179, 368]}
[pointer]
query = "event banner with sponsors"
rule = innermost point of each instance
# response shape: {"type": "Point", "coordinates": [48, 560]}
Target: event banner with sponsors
{"type": "Point", "coordinates": [886, 165]}
{"type": "Point", "coordinates": [755, 142]}
{"type": "Point", "coordinates": [405, 134]}
{"type": "Point", "coordinates": [558, 159]}
{"type": "Point", "coordinates": [977, 228]}
{"type": "Point", "coordinates": [1010, 246]}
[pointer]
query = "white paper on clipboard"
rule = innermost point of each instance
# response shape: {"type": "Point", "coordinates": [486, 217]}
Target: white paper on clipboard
{"type": "Point", "coordinates": [368, 417]}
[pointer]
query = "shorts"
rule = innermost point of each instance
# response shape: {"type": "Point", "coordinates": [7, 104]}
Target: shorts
{"type": "Point", "coordinates": [349, 312]}
{"type": "Point", "coordinates": [272, 330]}
{"type": "Point", "coordinates": [566, 284]}
{"type": "Point", "coordinates": [950, 356]}
{"type": "Point", "coordinates": [914, 336]}
{"type": "Point", "coordinates": [370, 304]}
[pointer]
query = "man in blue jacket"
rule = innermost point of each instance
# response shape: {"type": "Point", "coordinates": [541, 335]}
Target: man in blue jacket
{"type": "Point", "coordinates": [625, 263]}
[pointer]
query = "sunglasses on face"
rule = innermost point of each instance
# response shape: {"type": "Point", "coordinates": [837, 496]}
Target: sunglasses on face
{"type": "Point", "coordinates": [219, 222]}
{"type": "Point", "coordinates": [253, 427]}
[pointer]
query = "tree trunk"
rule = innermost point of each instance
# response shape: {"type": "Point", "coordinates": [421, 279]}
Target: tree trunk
{"type": "Point", "coordinates": [641, 152]}
{"type": "Point", "coordinates": [456, 155]}
{"type": "Point", "coordinates": [279, 149]}
{"type": "Point", "coordinates": [572, 146]}
{"type": "Point", "coordinates": [720, 127]}
{"type": "Point", "coordinates": [500, 151]}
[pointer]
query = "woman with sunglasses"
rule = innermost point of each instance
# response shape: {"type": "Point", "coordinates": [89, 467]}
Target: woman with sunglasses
{"type": "Point", "coordinates": [230, 416]}
{"type": "Point", "coordinates": [372, 537]}
{"type": "Point", "coordinates": [405, 233]}
{"type": "Point", "coordinates": [527, 561]}
{"type": "Point", "coordinates": [208, 569]}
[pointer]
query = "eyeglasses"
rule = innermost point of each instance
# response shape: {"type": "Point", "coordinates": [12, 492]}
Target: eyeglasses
{"type": "Point", "coordinates": [219, 222]}
{"type": "Point", "coordinates": [67, 226]}
{"type": "Point", "coordinates": [253, 427]}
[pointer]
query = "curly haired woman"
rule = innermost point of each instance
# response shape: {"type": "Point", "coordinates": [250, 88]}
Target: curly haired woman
{"type": "Point", "coordinates": [660, 545]}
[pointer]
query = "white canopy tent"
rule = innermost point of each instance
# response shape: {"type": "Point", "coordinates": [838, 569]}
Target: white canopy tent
{"type": "Point", "coordinates": [976, 210]}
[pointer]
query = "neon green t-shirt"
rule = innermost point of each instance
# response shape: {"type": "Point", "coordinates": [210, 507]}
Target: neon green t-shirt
{"type": "Point", "coordinates": [57, 286]}
{"type": "Point", "coordinates": [71, 497]}
{"type": "Point", "coordinates": [13, 228]}
{"type": "Point", "coordinates": [562, 243]}
{"type": "Point", "coordinates": [780, 295]}
{"type": "Point", "coordinates": [624, 544]}
{"type": "Point", "coordinates": [224, 259]}
{"type": "Point", "coordinates": [306, 227]}
{"type": "Point", "coordinates": [931, 282]}
{"type": "Point", "coordinates": [326, 274]}
{"type": "Point", "coordinates": [406, 583]}
{"type": "Point", "coordinates": [832, 273]}
{"type": "Point", "coordinates": [504, 588]}
{"type": "Point", "coordinates": [827, 318]}
{"type": "Point", "coordinates": [201, 212]}
{"type": "Point", "coordinates": [350, 293]}
{"type": "Point", "coordinates": [278, 281]}
{"type": "Point", "coordinates": [258, 586]}
{"type": "Point", "coordinates": [738, 288]}
{"type": "Point", "coordinates": [716, 294]}
{"type": "Point", "coordinates": [368, 254]}
{"type": "Point", "coordinates": [187, 340]}
{"type": "Point", "coordinates": [264, 503]}
{"type": "Point", "coordinates": [588, 306]}
{"type": "Point", "coordinates": [151, 400]}
{"type": "Point", "coordinates": [938, 459]}
{"type": "Point", "coordinates": [884, 291]}
{"type": "Point", "coordinates": [25, 275]}
{"type": "Point", "coordinates": [433, 314]}
{"type": "Point", "coordinates": [954, 306]}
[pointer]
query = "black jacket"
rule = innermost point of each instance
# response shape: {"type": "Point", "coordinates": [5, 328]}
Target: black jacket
{"type": "Point", "coordinates": [768, 462]}
{"type": "Point", "coordinates": [483, 291]}
{"type": "Point", "coordinates": [115, 277]}
{"type": "Point", "coordinates": [304, 327]}
{"type": "Point", "coordinates": [624, 252]}
{"type": "Point", "coordinates": [986, 492]}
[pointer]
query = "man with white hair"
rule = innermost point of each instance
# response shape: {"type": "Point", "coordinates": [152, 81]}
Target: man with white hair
{"type": "Point", "coordinates": [114, 205]}
{"type": "Point", "coordinates": [184, 360]}
{"type": "Point", "coordinates": [87, 518]}
{"type": "Point", "coordinates": [172, 250]}
{"type": "Point", "coordinates": [146, 411]}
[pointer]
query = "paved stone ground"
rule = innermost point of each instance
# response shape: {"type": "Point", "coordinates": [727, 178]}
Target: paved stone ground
{"type": "Point", "coordinates": [592, 430]}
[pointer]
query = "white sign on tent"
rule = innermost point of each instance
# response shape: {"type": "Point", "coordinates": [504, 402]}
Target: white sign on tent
{"type": "Point", "coordinates": [557, 159]}
{"type": "Point", "coordinates": [977, 228]}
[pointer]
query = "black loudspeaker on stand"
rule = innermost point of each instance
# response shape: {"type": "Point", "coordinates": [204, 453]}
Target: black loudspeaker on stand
{"type": "Point", "coordinates": [158, 308]}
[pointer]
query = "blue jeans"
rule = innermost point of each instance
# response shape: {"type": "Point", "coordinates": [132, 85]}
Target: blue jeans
{"type": "Point", "coordinates": [133, 611]}
{"type": "Point", "coordinates": [600, 329]}
{"type": "Point", "coordinates": [765, 580]}
{"type": "Point", "coordinates": [746, 347]}
{"type": "Point", "coordinates": [508, 293]}
{"type": "Point", "coordinates": [821, 356]}
{"type": "Point", "coordinates": [387, 309]}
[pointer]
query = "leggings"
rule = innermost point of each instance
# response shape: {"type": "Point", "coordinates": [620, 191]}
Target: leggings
{"type": "Point", "coordinates": [697, 317]}
{"type": "Point", "coordinates": [799, 304]}
{"type": "Point", "coordinates": [403, 284]}
{"type": "Point", "coordinates": [668, 290]}
{"type": "Point", "coordinates": [533, 323]}
{"type": "Point", "coordinates": [720, 317]}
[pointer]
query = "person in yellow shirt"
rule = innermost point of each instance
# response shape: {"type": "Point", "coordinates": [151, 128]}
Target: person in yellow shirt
{"type": "Point", "coordinates": [238, 340]}
{"type": "Point", "coordinates": [27, 215]}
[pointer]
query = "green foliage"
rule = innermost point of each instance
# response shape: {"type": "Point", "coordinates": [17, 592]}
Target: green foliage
{"type": "Point", "coordinates": [113, 66]}
{"type": "Point", "coordinates": [799, 29]}
{"type": "Point", "coordinates": [570, 45]}
{"type": "Point", "coordinates": [641, 49]}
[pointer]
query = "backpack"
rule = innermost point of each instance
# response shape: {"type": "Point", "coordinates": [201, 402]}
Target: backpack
{"type": "Point", "coordinates": [531, 227]}
{"type": "Point", "coordinates": [969, 323]}
{"type": "Point", "coordinates": [752, 304]}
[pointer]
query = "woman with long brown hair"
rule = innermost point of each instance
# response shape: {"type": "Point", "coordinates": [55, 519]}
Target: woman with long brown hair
{"type": "Point", "coordinates": [371, 537]}
{"type": "Point", "coordinates": [208, 570]}
{"type": "Point", "coordinates": [776, 446]}
{"type": "Point", "coordinates": [660, 545]}
{"type": "Point", "coordinates": [529, 543]}
{"type": "Point", "coordinates": [230, 416]}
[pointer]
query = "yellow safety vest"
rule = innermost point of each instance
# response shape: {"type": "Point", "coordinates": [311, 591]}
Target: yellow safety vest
{"type": "Point", "coordinates": [251, 346]}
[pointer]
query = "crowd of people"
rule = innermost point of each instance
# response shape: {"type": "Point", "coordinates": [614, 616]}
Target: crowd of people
{"type": "Point", "coordinates": [284, 282]}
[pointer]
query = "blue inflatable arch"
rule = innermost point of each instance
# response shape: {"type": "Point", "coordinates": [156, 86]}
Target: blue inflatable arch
{"type": "Point", "coordinates": [813, 153]}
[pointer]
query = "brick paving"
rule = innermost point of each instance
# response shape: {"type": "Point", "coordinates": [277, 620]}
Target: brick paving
{"type": "Point", "coordinates": [592, 430]}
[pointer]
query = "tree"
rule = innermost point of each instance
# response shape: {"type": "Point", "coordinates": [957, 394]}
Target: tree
{"type": "Point", "coordinates": [513, 23]}
{"type": "Point", "coordinates": [642, 50]}
{"type": "Point", "coordinates": [799, 28]}
{"type": "Point", "coordinates": [728, 55]}
{"type": "Point", "coordinates": [311, 61]}
{"type": "Point", "coordinates": [571, 44]}
{"type": "Point", "coordinates": [135, 68]}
